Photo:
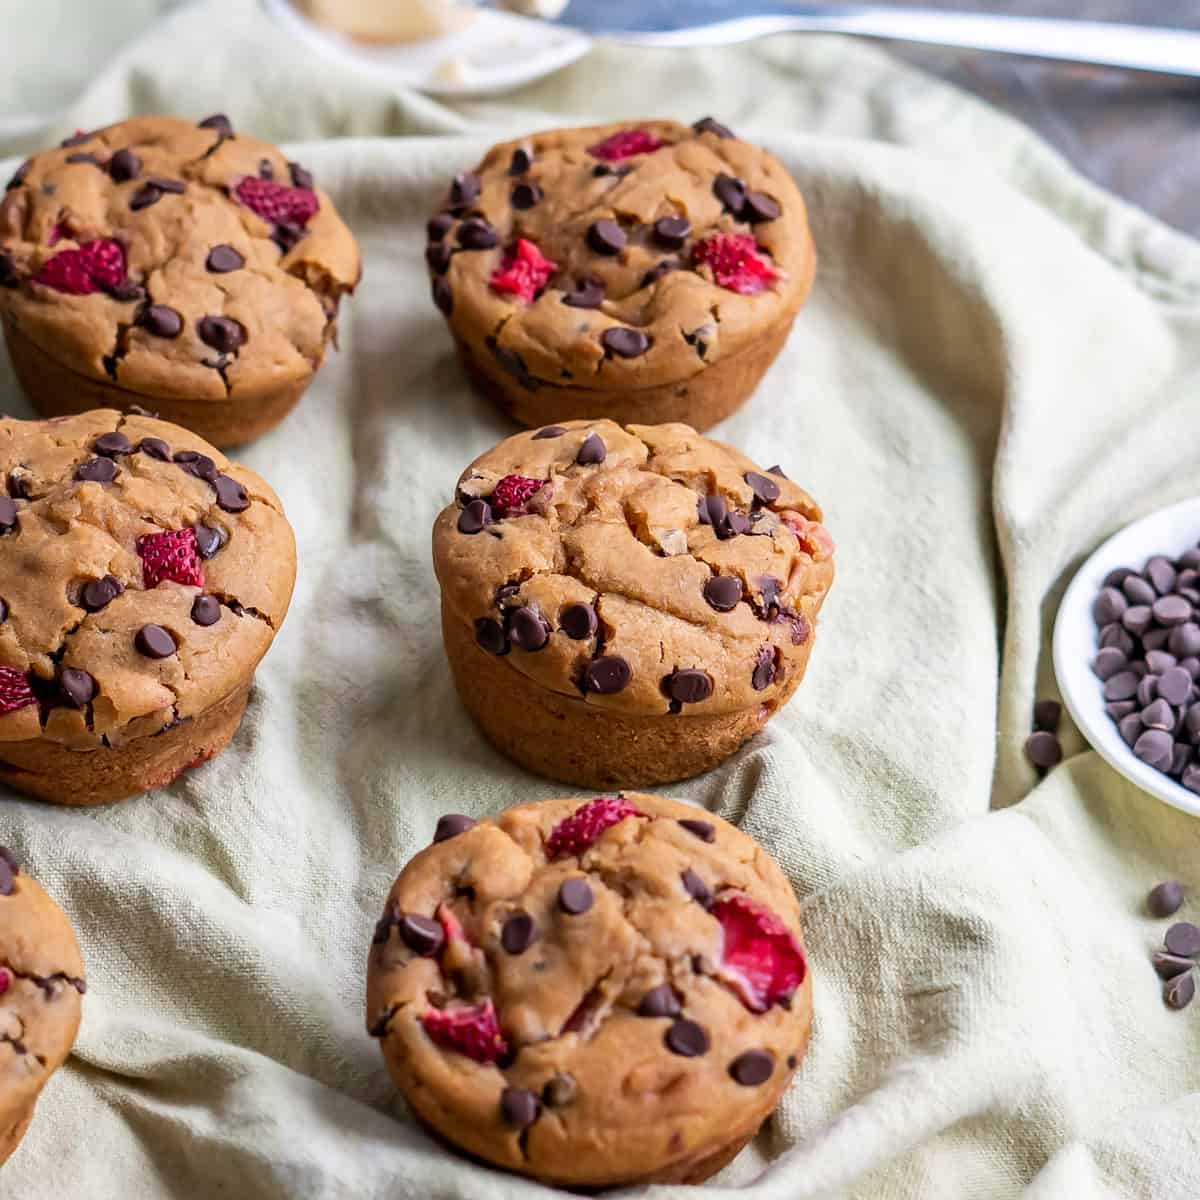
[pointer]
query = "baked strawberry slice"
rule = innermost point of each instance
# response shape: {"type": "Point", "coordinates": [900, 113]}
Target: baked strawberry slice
{"type": "Point", "coordinates": [451, 925]}
{"type": "Point", "coordinates": [276, 202]}
{"type": "Point", "coordinates": [94, 266]}
{"type": "Point", "coordinates": [761, 961]}
{"type": "Point", "coordinates": [736, 263]}
{"type": "Point", "coordinates": [813, 537]}
{"type": "Point", "coordinates": [513, 493]}
{"type": "Point", "coordinates": [523, 272]}
{"type": "Point", "coordinates": [15, 692]}
{"type": "Point", "coordinates": [625, 143]}
{"type": "Point", "coordinates": [578, 831]}
{"type": "Point", "coordinates": [171, 555]}
{"type": "Point", "coordinates": [473, 1031]}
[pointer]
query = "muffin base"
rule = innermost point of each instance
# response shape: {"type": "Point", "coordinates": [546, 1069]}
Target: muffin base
{"type": "Point", "coordinates": [57, 391]}
{"type": "Point", "coordinates": [571, 741]}
{"type": "Point", "coordinates": [49, 771]}
{"type": "Point", "coordinates": [700, 401]}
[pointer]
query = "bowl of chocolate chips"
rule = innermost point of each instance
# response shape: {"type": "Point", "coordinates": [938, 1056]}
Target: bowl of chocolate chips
{"type": "Point", "coordinates": [1127, 653]}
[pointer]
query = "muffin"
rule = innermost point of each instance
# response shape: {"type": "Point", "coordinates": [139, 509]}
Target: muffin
{"type": "Point", "coordinates": [174, 267]}
{"type": "Point", "coordinates": [142, 578]}
{"type": "Point", "coordinates": [644, 273]}
{"type": "Point", "coordinates": [623, 607]}
{"type": "Point", "coordinates": [41, 982]}
{"type": "Point", "coordinates": [594, 994]}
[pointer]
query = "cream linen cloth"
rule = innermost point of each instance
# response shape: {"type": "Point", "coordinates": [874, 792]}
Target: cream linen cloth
{"type": "Point", "coordinates": [999, 366]}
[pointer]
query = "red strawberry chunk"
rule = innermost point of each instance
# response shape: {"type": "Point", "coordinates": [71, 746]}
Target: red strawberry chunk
{"type": "Point", "coordinates": [171, 555]}
{"type": "Point", "coordinates": [762, 962]}
{"type": "Point", "coordinates": [94, 266]}
{"type": "Point", "coordinates": [736, 263]}
{"type": "Point", "coordinates": [625, 143]}
{"type": "Point", "coordinates": [813, 537]}
{"type": "Point", "coordinates": [15, 692]}
{"type": "Point", "coordinates": [578, 831]}
{"type": "Point", "coordinates": [276, 202]}
{"type": "Point", "coordinates": [513, 493]}
{"type": "Point", "coordinates": [523, 272]}
{"type": "Point", "coordinates": [5, 981]}
{"type": "Point", "coordinates": [470, 1031]}
{"type": "Point", "coordinates": [451, 925]}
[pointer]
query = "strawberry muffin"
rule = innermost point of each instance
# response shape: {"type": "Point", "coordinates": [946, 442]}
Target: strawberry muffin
{"type": "Point", "coordinates": [646, 272]}
{"type": "Point", "coordinates": [41, 983]}
{"type": "Point", "coordinates": [624, 607]}
{"type": "Point", "coordinates": [176, 267]}
{"type": "Point", "coordinates": [595, 994]}
{"type": "Point", "coordinates": [142, 578]}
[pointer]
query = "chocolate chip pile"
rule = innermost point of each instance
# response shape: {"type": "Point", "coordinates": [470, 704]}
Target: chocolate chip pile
{"type": "Point", "coordinates": [1149, 661]}
{"type": "Point", "coordinates": [1176, 962]}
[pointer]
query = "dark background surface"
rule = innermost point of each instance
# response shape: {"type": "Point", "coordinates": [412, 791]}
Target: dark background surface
{"type": "Point", "coordinates": [1136, 134]}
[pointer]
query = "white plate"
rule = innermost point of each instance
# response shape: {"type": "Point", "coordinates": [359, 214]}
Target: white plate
{"type": "Point", "coordinates": [504, 51]}
{"type": "Point", "coordinates": [1169, 531]}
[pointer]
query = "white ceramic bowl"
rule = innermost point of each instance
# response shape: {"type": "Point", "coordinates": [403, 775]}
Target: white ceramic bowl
{"type": "Point", "coordinates": [504, 51]}
{"type": "Point", "coordinates": [1170, 531]}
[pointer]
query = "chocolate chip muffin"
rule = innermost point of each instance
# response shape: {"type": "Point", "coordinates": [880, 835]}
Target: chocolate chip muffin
{"type": "Point", "coordinates": [41, 982]}
{"type": "Point", "coordinates": [623, 607]}
{"type": "Point", "coordinates": [181, 268]}
{"type": "Point", "coordinates": [598, 993]}
{"type": "Point", "coordinates": [646, 273]}
{"type": "Point", "coordinates": [142, 578]}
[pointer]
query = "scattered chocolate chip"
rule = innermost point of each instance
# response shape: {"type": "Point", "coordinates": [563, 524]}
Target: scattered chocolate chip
{"type": "Point", "coordinates": [575, 897]}
{"type": "Point", "coordinates": [723, 592]}
{"type": "Point", "coordinates": [709, 125]}
{"type": "Point", "coordinates": [266, 169]}
{"type": "Point", "coordinates": [763, 674]}
{"type": "Point", "coordinates": [76, 688]}
{"type": "Point", "coordinates": [578, 621]}
{"type": "Point", "coordinates": [224, 258]}
{"type": "Point", "coordinates": [489, 636]}
{"type": "Point", "coordinates": [513, 364]}
{"type": "Point", "coordinates": [161, 321]}
{"type": "Point", "coordinates": [765, 489]}
{"type": "Point", "coordinates": [231, 496]}
{"type": "Point", "coordinates": [154, 642]}
{"type": "Point", "coordinates": [451, 825]}
{"type": "Point", "coordinates": [111, 444]}
{"type": "Point", "coordinates": [439, 226]}
{"type": "Point", "coordinates": [759, 207]}
{"type": "Point", "coordinates": [687, 1039]}
{"type": "Point", "coordinates": [592, 451]}
{"type": "Point", "coordinates": [586, 293]}
{"type": "Point", "coordinates": [420, 934]}
{"type": "Point", "coordinates": [550, 431]}
{"type": "Point", "coordinates": [286, 235]}
{"type": "Point", "coordinates": [1167, 966]}
{"type": "Point", "coordinates": [711, 510]}
{"type": "Point", "coordinates": [206, 610]}
{"type": "Point", "coordinates": [672, 232]}
{"type": "Point", "coordinates": [734, 525]}
{"type": "Point", "coordinates": [218, 122]}
{"type": "Point", "coordinates": [221, 333]}
{"type": "Point", "coordinates": [443, 295]}
{"type": "Point", "coordinates": [521, 161]}
{"type": "Point", "coordinates": [731, 192]}
{"type": "Point", "coordinates": [145, 196]}
{"type": "Point", "coordinates": [1180, 991]}
{"type": "Point", "coordinates": [688, 685]}
{"type": "Point", "coordinates": [1165, 898]}
{"type": "Point", "coordinates": [437, 257]}
{"type": "Point", "coordinates": [666, 267]}
{"type": "Point", "coordinates": [8, 271]}
{"type": "Point", "coordinates": [752, 1068]}
{"type": "Point", "coordinates": [175, 186]}
{"type": "Point", "coordinates": [1043, 750]}
{"type": "Point", "coordinates": [464, 189]}
{"type": "Point", "coordinates": [696, 887]}
{"type": "Point", "coordinates": [197, 464]}
{"type": "Point", "coordinates": [475, 517]}
{"type": "Point", "coordinates": [528, 629]}
{"type": "Point", "coordinates": [208, 540]}
{"type": "Point", "coordinates": [526, 196]}
{"type": "Point", "coordinates": [624, 342]}
{"type": "Point", "coordinates": [560, 1091]}
{"type": "Point", "coordinates": [516, 934]}
{"type": "Point", "coordinates": [301, 177]}
{"type": "Point", "coordinates": [96, 470]}
{"type": "Point", "coordinates": [8, 515]}
{"type": "Point", "coordinates": [519, 1107]}
{"type": "Point", "coordinates": [660, 1002]}
{"type": "Point", "coordinates": [99, 593]}
{"type": "Point", "coordinates": [704, 830]}
{"type": "Point", "coordinates": [476, 234]}
{"type": "Point", "coordinates": [1183, 939]}
{"type": "Point", "coordinates": [607, 675]}
{"type": "Point", "coordinates": [606, 237]}
{"type": "Point", "coordinates": [1047, 715]}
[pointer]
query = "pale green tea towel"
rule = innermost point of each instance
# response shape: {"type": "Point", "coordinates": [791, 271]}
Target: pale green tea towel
{"type": "Point", "coordinates": [999, 365]}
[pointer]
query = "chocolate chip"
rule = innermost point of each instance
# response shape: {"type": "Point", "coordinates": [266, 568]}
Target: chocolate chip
{"type": "Point", "coordinates": [231, 496]}
{"type": "Point", "coordinates": [731, 192]}
{"type": "Point", "coordinates": [1158, 715]}
{"type": "Point", "coordinates": [592, 451]}
{"type": "Point", "coordinates": [1114, 635]}
{"type": "Point", "coordinates": [1165, 898]}
{"type": "Point", "coordinates": [1108, 662]}
{"type": "Point", "coordinates": [443, 295]}
{"type": "Point", "coordinates": [420, 934]}
{"type": "Point", "coordinates": [96, 470]}
{"type": "Point", "coordinates": [575, 897]}
{"type": "Point", "coordinates": [489, 636]}
{"type": "Point", "coordinates": [607, 675]}
{"type": "Point", "coordinates": [560, 1091]}
{"type": "Point", "coordinates": [1175, 685]}
{"type": "Point", "coordinates": [578, 621]}
{"type": "Point", "coordinates": [1158, 661]}
{"type": "Point", "coordinates": [221, 333]}
{"type": "Point", "coordinates": [763, 674]}
{"type": "Point", "coordinates": [526, 196]}
{"type": "Point", "coordinates": [1122, 686]}
{"type": "Point", "coordinates": [464, 190]}
{"type": "Point", "coordinates": [1161, 573]}
{"type": "Point", "coordinates": [208, 540]}
{"type": "Point", "coordinates": [520, 162]}
{"type": "Point", "coordinates": [266, 169]}
{"type": "Point", "coordinates": [476, 234]}
{"type": "Point", "coordinates": [672, 232]}
{"type": "Point", "coordinates": [145, 196]}
{"type": "Point", "coordinates": [99, 593]}
{"type": "Point", "coordinates": [1043, 750]}
{"type": "Point", "coordinates": [76, 688]}
{"type": "Point", "coordinates": [625, 343]}
{"type": "Point", "coordinates": [1180, 991]}
{"type": "Point", "coordinates": [224, 258]}
{"type": "Point", "coordinates": [723, 592]}
{"type": "Point", "coordinates": [1130, 728]}
{"type": "Point", "coordinates": [516, 934]}
{"type": "Point", "coordinates": [175, 186]}
{"type": "Point", "coordinates": [734, 525]}
{"type": "Point", "coordinates": [711, 510]}
{"type": "Point", "coordinates": [606, 237]}
{"type": "Point", "coordinates": [154, 642]}
{"type": "Point", "coordinates": [1183, 939]}
{"type": "Point", "coordinates": [1184, 641]}
{"type": "Point", "coordinates": [752, 1068]}
{"type": "Point", "coordinates": [8, 271]}
{"type": "Point", "coordinates": [1167, 966]}
{"type": "Point", "coordinates": [1156, 748]}
{"type": "Point", "coordinates": [286, 235]}
{"type": "Point", "coordinates": [110, 444]}
{"type": "Point", "coordinates": [219, 122]}
{"type": "Point", "coordinates": [123, 166]}
{"type": "Point", "coordinates": [197, 464]}
{"type": "Point", "coordinates": [1047, 715]}
{"type": "Point", "coordinates": [439, 226]}
{"type": "Point", "coordinates": [586, 293]}
{"type": "Point", "coordinates": [708, 125]}
{"type": "Point", "coordinates": [666, 267]}
{"type": "Point", "coordinates": [1138, 591]}
{"type": "Point", "coordinates": [696, 887]}
{"type": "Point", "coordinates": [765, 489]}
{"type": "Point", "coordinates": [759, 207]}
{"type": "Point", "coordinates": [688, 686]}
{"type": "Point", "coordinates": [161, 321]}
{"type": "Point", "coordinates": [301, 177]}
{"type": "Point", "coordinates": [206, 610]}
{"type": "Point", "coordinates": [528, 629]}
{"type": "Point", "coordinates": [687, 1039]}
{"type": "Point", "coordinates": [475, 517]}
{"type": "Point", "coordinates": [8, 873]}
{"type": "Point", "coordinates": [3, 611]}
{"type": "Point", "coordinates": [8, 515]}
{"type": "Point", "coordinates": [1109, 605]}
{"type": "Point", "coordinates": [155, 448]}
{"type": "Point", "coordinates": [550, 431]}
{"type": "Point", "coordinates": [1171, 610]}
{"type": "Point", "coordinates": [451, 825]}
{"type": "Point", "coordinates": [705, 831]}
{"type": "Point", "coordinates": [513, 364]}
{"type": "Point", "coordinates": [519, 1107]}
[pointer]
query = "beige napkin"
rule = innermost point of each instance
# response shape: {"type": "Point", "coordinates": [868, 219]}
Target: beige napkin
{"type": "Point", "coordinates": [999, 366]}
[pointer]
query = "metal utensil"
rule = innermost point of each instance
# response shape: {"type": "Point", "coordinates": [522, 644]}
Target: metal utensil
{"type": "Point", "coordinates": [711, 23]}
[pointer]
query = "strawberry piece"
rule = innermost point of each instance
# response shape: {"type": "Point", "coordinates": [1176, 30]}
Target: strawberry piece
{"type": "Point", "coordinates": [762, 962]}
{"type": "Point", "coordinates": [625, 143]}
{"type": "Point", "coordinates": [814, 538]}
{"type": "Point", "coordinates": [523, 272]}
{"type": "Point", "coordinates": [171, 555]}
{"type": "Point", "coordinates": [513, 493]}
{"type": "Point", "coordinates": [451, 925]}
{"type": "Point", "coordinates": [94, 266]}
{"type": "Point", "coordinates": [5, 981]}
{"type": "Point", "coordinates": [578, 831]}
{"type": "Point", "coordinates": [276, 202]}
{"type": "Point", "coordinates": [470, 1031]}
{"type": "Point", "coordinates": [736, 263]}
{"type": "Point", "coordinates": [15, 692]}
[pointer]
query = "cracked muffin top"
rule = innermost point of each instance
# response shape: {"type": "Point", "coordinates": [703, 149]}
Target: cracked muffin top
{"type": "Point", "coordinates": [142, 577]}
{"type": "Point", "coordinates": [589, 991]}
{"type": "Point", "coordinates": [41, 981]}
{"type": "Point", "coordinates": [619, 256]}
{"type": "Point", "coordinates": [174, 259]}
{"type": "Point", "coordinates": [649, 569]}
